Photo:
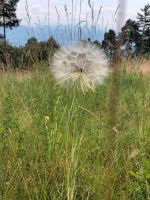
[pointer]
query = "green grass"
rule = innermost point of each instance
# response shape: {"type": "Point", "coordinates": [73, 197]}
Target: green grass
{"type": "Point", "coordinates": [63, 157]}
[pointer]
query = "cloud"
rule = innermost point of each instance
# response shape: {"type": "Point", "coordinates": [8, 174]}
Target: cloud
{"type": "Point", "coordinates": [37, 11]}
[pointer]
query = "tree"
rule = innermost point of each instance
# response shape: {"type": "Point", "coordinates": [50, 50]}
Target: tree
{"type": "Point", "coordinates": [31, 41]}
{"type": "Point", "coordinates": [1, 4]}
{"type": "Point", "coordinates": [144, 23]}
{"type": "Point", "coordinates": [97, 43]}
{"type": "Point", "coordinates": [108, 44]}
{"type": "Point", "coordinates": [130, 36]}
{"type": "Point", "coordinates": [8, 18]}
{"type": "Point", "coordinates": [36, 52]}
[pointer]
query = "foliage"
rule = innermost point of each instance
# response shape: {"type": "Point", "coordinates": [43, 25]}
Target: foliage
{"type": "Point", "coordinates": [144, 24]}
{"type": "Point", "coordinates": [29, 56]}
{"type": "Point", "coordinates": [108, 44]}
{"type": "Point", "coordinates": [53, 142]}
{"type": "Point", "coordinates": [131, 36]}
{"type": "Point", "coordinates": [135, 35]}
{"type": "Point", "coordinates": [36, 52]}
{"type": "Point", "coordinates": [8, 18]}
{"type": "Point", "coordinates": [135, 39]}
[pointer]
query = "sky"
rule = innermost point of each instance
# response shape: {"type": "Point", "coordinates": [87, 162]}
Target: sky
{"type": "Point", "coordinates": [36, 11]}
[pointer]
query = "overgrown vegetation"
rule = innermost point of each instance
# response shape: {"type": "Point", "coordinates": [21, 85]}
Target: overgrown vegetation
{"type": "Point", "coordinates": [53, 142]}
{"type": "Point", "coordinates": [135, 37]}
{"type": "Point", "coordinates": [29, 56]}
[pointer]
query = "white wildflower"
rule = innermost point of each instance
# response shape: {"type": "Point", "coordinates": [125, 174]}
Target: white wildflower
{"type": "Point", "coordinates": [83, 65]}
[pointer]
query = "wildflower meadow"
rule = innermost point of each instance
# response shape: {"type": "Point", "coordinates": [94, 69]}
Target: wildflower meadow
{"type": "Point", "coordinates": [75, 117]}
{"type": "Point", "coordinates": [54, 142]}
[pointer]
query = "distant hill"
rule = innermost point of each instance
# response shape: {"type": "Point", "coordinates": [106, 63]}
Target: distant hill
{"type": "Point", "coordinates": [19, 36]}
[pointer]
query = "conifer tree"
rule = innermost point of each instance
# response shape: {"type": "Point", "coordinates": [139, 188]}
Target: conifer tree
{"type": "Point", "coordinates": [131, 36]}
{"type": "Point", "coordinates": [144, 23]}
{"type": "Point", "coordinates": [8, 18]}
{"type": "Point", "coordinates": [108, 44]}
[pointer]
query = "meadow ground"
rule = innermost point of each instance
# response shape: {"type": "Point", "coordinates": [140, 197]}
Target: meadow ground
{"type": "Point", "coordinates": [54, 142]}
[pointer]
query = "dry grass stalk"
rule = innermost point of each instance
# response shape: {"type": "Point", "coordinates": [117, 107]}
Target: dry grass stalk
{"type": "Point", "coordinates": [114, 98]}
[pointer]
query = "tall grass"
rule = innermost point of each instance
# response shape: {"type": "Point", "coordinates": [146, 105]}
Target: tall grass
{"type": "Point", "coordinates": [60, 144]}
{"type": "Point", "coordinates": [53, 142]}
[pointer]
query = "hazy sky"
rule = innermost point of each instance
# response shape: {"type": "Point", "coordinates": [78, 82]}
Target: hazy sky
{"type": "Point", "coordinates": [38, 11]}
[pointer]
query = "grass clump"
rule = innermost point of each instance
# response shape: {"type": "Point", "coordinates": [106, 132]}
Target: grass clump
{"type": "Point", "coordinates": [53, 142]}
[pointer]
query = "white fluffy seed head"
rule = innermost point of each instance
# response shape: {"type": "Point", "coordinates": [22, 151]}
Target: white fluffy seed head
{"type": "Point", "coordinates": [83, 65]}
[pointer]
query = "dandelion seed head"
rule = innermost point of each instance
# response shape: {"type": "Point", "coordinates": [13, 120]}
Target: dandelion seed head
{"type": "Point", "coordinates": [83, 65]}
